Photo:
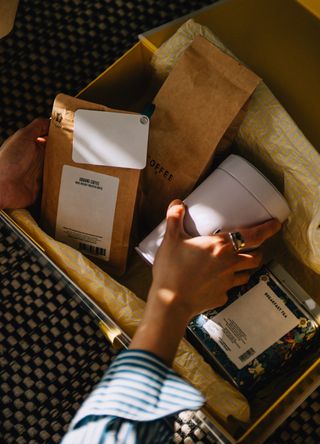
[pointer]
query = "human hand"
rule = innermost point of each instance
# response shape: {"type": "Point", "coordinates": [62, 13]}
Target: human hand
{"type": "Point", "coordinates": [196, 273]}
{"type": "Point", "coordinates": [192, 275]}
{"type": "Point", "coordinates": [21, 164]}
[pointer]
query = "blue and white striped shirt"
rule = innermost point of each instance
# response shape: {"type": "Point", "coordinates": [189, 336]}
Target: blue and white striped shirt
{"type": "Point", "coordinates": [130, 402]}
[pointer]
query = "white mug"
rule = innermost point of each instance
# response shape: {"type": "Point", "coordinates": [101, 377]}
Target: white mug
{"type": "Point", "coordinates": [235, 195]}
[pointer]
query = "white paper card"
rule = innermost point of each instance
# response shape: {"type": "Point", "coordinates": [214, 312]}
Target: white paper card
{"type": "Point", "coordinates": [86, 207]}
{"type": "Point", "coordinates": [110, 139]}
{"type": "Point", "coordinates": [251, 324]}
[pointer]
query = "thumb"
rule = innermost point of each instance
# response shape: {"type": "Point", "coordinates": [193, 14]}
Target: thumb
{"type": "Point", "coordinates": [37, 128]}
{"type": "Point", "coordinates": [175, 216]}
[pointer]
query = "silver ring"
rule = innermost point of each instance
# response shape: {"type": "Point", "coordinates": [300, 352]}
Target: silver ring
{"type": "Point", "coordinates": [237, 241]}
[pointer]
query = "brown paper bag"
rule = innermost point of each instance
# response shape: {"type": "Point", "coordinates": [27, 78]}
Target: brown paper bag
{"type": "Point", "coordinates": [123, 182]}
{"type": "Point", "coordinates": [197, 113]}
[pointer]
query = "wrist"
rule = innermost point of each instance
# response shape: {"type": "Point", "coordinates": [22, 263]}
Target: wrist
{"type": "Point", "coordinates": [168, 303]}
{"type": "Point", "coordinates": [162, 327]}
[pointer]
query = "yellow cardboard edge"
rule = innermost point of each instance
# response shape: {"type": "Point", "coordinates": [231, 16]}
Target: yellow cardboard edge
{"type": "Point", "coordinates": [109, 68]}
{"type": "Point", "coordinates": [109, 333]}
{"type": "Point", "coordinates": [149, 45]}
{"type": "Point", "coordinates": [23, 231]}
{"type": "Point", "coordinates": [279, 400]}
{"type": "Point", "coordinates": [312, 6]}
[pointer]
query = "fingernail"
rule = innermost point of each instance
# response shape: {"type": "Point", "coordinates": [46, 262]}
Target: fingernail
{"type": "Point", "coordinates": [41, 139]}
{"type": "Point", "coordinates": [176, 202]}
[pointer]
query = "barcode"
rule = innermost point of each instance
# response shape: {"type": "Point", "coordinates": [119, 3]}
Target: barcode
{"type": "Point", "coordinates": [246, 355]}
{"type": "Point", "coordinates": [92, 249]}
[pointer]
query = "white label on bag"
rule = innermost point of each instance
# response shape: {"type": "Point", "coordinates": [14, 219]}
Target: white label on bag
{"type": "Point", "coordinates": [110, 139]}
{"type": "Point", "coordinates": [251, 324]}
{"type": "Point", "coordinates": [86, 208]}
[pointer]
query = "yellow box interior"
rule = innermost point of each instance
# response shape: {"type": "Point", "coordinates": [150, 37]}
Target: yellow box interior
{"type": "Point", "coordinates": [276, 40]}
{"type": "Point", "coordinates": [279, 40]}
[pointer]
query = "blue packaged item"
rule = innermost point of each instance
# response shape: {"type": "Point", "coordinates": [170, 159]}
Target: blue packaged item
{"type": "Point", "coordinates": [264, 326]}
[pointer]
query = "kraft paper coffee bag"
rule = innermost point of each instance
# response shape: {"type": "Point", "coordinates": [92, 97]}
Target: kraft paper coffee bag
{"type": "Point", "coordinates": [197, 114]}
{"type": "Point", "coordinates": [85, 203]}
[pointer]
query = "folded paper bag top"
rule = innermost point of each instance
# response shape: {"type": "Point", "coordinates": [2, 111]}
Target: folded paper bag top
{"type": "Point", "coordinates": [91, 174]}
{"type": "Point", "coordinates": [235, 195]}
{"type": "Point", "coordinates": [198, 111]}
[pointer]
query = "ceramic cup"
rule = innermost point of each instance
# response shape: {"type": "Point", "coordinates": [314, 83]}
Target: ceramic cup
{"type": "Point", "coordinates": [235, 195]}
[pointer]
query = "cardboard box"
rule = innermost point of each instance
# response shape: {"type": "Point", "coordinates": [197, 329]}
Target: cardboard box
{"type": "Point", "coordinates": [278, 41]}
{"type": "Point", "coordinates": [264, 35]}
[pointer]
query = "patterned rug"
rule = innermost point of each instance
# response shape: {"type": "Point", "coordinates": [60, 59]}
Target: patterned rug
{"type": "Point", "coordinates": [54, 353]}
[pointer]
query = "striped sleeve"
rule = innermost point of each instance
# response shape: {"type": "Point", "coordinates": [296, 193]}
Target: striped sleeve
{"type": "Point", "coordinates": [134, 394]}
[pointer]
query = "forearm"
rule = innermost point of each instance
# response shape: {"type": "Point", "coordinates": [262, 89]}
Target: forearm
{"type": "Point", "coordinates": [162, 327]}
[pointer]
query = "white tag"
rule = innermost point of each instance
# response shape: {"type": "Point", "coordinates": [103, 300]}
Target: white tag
{"type": "Point", "coordinates": [110, 139]}
{"type": "Point", "coordinates": [86, 207]}
{"type": "Point", "coordinates": [251, 324]}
